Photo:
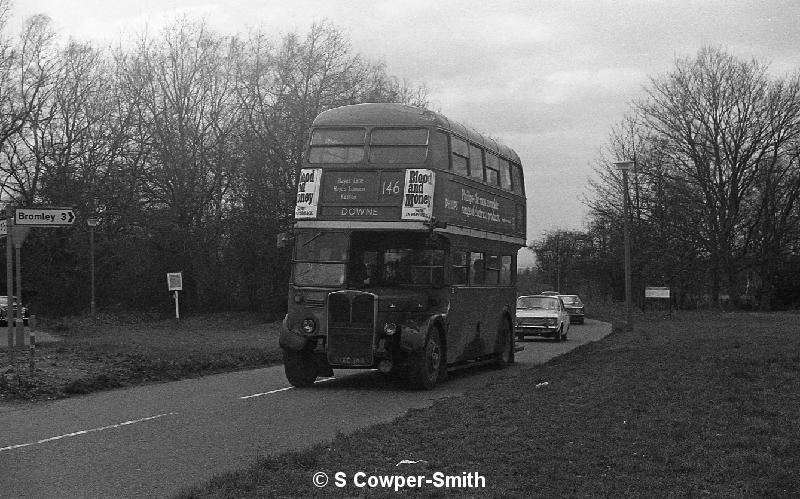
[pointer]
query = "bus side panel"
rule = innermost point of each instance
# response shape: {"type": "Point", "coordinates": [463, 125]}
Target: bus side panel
{"type": "Point", "coordinates": [473, 320]}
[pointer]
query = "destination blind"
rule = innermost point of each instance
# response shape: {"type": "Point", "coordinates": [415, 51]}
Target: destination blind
{"type": "Point", "coordinates": [403, 194]}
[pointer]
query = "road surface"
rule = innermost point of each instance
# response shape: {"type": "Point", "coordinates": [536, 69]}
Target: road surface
{"type": "Point", "coordinates": [153, 440]}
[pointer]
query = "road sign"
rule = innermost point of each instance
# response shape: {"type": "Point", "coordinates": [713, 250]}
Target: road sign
{"type": "Point", "coordinates": [175, 281]}
{"type": "Point", "coordinates": [44, 217]}
{"type": "Point", "coordinates": [3, 227]}
{"type": "Point", "coordinates": [656, 292]}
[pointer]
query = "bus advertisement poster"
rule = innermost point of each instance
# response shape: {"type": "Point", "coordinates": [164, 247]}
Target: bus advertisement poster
{"type": "Point", "coordinates": [418, 194]}
{"type": "Point", "coordinates": [308, 193]}
{"type": "Point", "coordinates": [472, 207]}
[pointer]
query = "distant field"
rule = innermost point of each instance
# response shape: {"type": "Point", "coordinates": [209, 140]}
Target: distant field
{"type": "Point", "coordinates": [115, 351]}
{"type": "Point", "coordinates": [701, 404]}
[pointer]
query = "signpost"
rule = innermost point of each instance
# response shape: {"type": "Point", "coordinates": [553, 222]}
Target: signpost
{"type": "Point", "coordinates": [9, 284]}
{"type": "Point", "coordinates": [658, 293]}
{"type": "Point", "coordinates": [15, 228]}
{"type": "Point", "coordinates": [175, 284]}
{"type": "Point", "coordinates": [54, 217]}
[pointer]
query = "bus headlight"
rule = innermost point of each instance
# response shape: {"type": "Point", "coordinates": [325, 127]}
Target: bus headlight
{"type": "Point", "coordinates": [298, 298]}
{"type": "Point", "coordinates": [389, 328]}
{"type": "Point", "coordinates": [308, 325]}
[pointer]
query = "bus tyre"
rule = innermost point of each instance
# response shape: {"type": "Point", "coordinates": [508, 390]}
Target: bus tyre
{"type": "Point", "coordinates": [505, 345]}
{"type": "Point", "coordinates": [300, 368]}
{"type": "Point", "coordinates": [426, 366]}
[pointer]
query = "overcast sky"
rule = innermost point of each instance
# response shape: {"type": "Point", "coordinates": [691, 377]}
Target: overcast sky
{"type": "Point", "coordinates": [548, 78]}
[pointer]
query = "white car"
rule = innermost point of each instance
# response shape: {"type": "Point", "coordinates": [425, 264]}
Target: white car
{"type": "Point", "coordinates": [540, 315]}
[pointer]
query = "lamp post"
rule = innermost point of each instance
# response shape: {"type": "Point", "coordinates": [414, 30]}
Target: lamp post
{"type": "Point", "coordinates": [92, 223]}
{"type": "Point", "coordinates": [624, 167]}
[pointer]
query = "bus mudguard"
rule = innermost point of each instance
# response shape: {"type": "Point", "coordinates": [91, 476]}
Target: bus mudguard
{"type": "Point", "coordinates": [413, 334]}
{"type": "Point", "coordinates": [291, 338]}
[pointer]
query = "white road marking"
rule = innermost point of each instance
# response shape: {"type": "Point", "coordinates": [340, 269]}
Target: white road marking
{"type": "Point", "coordinates": [84, 432]}
{"type": "Point", "coordinates": [266, 393]}
{"type": "Point", "coordinates": [321, 380]}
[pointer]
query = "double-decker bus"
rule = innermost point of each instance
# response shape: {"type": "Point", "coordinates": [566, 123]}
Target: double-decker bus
{"type": "Point", "coordinates": [407, 227]}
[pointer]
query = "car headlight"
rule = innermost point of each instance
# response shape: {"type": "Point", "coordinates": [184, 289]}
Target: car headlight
{"type": "Point", "coordinates": [389, 328]}
{"type": "Point", "coordinates": [308, 325]}
{"type": "Point", "coordinates": [551, 322]}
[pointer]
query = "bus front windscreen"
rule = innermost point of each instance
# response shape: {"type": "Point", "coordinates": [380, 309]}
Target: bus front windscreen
{"type": "Point", "coordinates": [320, 258]}
{"type": "Point", "coordinates": [318, 274]}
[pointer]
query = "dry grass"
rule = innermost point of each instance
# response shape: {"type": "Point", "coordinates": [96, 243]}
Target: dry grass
{"type": "Point", "coordinates": [699, 404]}
{"type": "Point", "coordinates": [114, 351]}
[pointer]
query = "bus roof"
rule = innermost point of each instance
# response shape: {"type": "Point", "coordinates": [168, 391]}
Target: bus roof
{"type": "Point", "coordinates": [390, 114]}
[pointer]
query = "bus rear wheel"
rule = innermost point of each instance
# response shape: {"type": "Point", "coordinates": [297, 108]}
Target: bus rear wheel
{"type": "Point", "coordinates": [427, 366]}
{"type": "Point", "coordinates": [300, 368]}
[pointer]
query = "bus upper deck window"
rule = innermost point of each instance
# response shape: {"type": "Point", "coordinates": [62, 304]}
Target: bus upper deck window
{"type": "Point", "coordinates": [398, 145]}
{"type": "Point", "coordinates": [437, 149]}
{"type": "Point", "coordinates": [505, 174]}
{"type": "Point", "coordinates": [475, 162]}
{"type": "Point", "coordinates": [460, 156]}
{"type": "Point", "coordinates": [399, 137]}
{"type": "Point", "coordinates": [337, 145]}
{"type": "Point", "coordinates": [516, 178]}
{"type": "Point", "coordinates": [492, 169]}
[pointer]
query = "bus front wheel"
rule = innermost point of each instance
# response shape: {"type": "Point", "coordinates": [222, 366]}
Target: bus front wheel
{"type": "Point", "coordinates": [300, 368]}
{"type": "Point", "coordinates": [427, 366]}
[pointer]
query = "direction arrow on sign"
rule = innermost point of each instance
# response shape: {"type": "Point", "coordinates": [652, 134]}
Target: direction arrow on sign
{"type": "Point", "coordinates": [47, 217]}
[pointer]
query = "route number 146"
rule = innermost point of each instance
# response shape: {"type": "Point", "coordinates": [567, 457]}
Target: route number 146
{"type": "Point", "coordinates": [391, 187]}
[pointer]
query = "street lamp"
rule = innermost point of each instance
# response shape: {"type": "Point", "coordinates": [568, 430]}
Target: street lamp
{"type": "Point", "coordinates": [624, 167]}
{"type": "Point", "coordinates": [92, 222]}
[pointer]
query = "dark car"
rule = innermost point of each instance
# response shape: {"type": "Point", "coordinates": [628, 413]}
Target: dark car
{"type": "Point", "coordinates": [4, 311]}
{"type": "Point", "coordinates": [574, 307]}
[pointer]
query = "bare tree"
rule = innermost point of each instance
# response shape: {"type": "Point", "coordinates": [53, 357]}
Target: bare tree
{"type": "Point", "coordinates": [713, 184]}
{"type": "Point", "coordinates": [718, 120]}
{"type": "Point", "coordinates": [30, 108]}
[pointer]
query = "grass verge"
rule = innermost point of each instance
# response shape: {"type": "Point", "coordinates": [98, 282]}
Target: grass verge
{"type": "Point", "coordinates": [114, 351]}
{"type": "Point", "coordinates": [697, 404]}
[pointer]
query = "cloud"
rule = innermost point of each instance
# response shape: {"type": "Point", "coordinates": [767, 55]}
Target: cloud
{"type": "Point", "coordinates": [584, 84]}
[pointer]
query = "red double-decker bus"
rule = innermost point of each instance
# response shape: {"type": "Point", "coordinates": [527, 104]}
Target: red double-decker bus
{"type": "Point", "coordinates": [407, 227]}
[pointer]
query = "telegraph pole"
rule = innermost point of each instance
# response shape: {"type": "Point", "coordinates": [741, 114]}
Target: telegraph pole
{"type": "Point", "coordinates": [625, 166]}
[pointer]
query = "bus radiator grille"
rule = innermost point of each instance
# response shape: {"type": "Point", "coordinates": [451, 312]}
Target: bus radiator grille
{"type": "Point", "coordinates": [351, 329]}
